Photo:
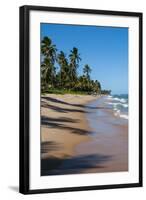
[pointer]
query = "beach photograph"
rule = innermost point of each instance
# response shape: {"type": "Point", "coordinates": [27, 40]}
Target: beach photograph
{"type": "Point", "coordinates": [84, 99]}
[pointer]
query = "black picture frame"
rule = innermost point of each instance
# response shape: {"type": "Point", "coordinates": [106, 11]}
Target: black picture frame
{"type": "Point", "coordinates": [25, 105]}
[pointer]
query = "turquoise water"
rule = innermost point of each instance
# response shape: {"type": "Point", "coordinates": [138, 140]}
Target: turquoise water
{"type": "Point", "coordinates": [101, 118]}
{"type": "Point", "coordinates": [119, 104]}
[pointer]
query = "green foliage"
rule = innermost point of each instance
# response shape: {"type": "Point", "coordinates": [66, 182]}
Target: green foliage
{"type": "Point", "coordinates": [74, 57]}
{"type": "Point", "coordinates": [63, 75]}
{"type": "Point", "coordinates": [66, 80]}
{"type": "Point", "coordinates": [105, 92]}
{"type": "Point", "coordinates": [87, 71]}
{"type": "Point", "coordinates": [48, 69]}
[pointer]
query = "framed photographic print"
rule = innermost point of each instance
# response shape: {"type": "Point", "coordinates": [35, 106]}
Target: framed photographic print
{"type": "Point", "coordinates": [80, 99]}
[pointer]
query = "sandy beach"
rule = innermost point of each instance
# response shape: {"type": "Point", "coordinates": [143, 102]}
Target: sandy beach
{"type": "Point", "coordinates": [74, 139]}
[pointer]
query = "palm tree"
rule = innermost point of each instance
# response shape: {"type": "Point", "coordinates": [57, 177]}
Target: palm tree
{"type": "Point", "coordinates": [87, 71]}
{"type": "Point", "coordinates": [47, 72]}
{"type": "Point", "coordinates": [98, 85]}
{"type": "Point", "coordinates": [64, 69]}
{"type": "Point", "coordinates": [74, 63]}
{"type": "Point", "coordinates": [67, 76]}
{"type": "Point", "coordinates": [48, 51]}
{"type": "Point", "coordinates": [83, 82]}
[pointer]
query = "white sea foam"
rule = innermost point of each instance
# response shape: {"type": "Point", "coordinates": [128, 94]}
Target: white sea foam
{"type": "Point", "coordinates": [119, 105]}
{"type": "Point", "coordinates": [120, 100]}
{"type": "Point", "coordinates": [125, 105]}
{"type": "Point", "coordinates": [118, 114]}
{"type": "Point", "coordinates": [116, 99]}
{"type": "Point", "coordinates": [124, 116]}
{"type": "Point", "coordinates": [109, 97]}
{"type": "Point", "coordinates": [112, 103]}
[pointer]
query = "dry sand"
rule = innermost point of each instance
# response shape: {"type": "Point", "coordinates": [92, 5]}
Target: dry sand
{"type": "Point", "coordinates": [64, 124]}
{"type": "Point", "coordinates": [66, 143]}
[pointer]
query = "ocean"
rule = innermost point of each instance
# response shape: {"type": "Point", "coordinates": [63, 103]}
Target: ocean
{"type": "Point", "coordinates": [119, 104]}
{"type": "Point", "coordinates": [99, 116]}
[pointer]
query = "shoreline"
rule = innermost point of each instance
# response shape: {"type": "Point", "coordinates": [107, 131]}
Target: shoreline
{"type": "Point", "coordinates": [109, 139]}
{"type": "Point", "coordinates": [68, 144]}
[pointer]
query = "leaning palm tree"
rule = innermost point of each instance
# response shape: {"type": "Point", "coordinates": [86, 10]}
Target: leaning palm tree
{"type": "Point", "coordinates": [48, 51]}
{"type": "Point", "coordinates": [74, 63]}
{"type": "Point", "coordinates": [87, 71]}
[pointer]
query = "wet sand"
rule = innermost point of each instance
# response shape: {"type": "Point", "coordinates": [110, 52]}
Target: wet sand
{"type": "Point", "coordinates": [75, 138]}
{"type": "Point", "coordinates": [109, 138]}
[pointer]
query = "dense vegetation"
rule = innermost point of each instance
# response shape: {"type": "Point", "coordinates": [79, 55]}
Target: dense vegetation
{"type": "Point", "coordinates": [66, 79]}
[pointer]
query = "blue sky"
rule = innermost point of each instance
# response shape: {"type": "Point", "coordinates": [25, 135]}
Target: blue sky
{"type": "Point", "coordinates": [105, 49]}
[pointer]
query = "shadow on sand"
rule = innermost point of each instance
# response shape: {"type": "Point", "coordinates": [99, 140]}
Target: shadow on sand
{"type": "Point", "coordinates": [60, 109]}
{"type": "Point", "coordinates": [65, 110]}
{"type": "Point", "coordinates": [72, 165]}
{"type": "Point", "coordinates": [58, 123]}
{"type": "Point", "coordinates": [49, 146]}
{"type": "Point", "coordinates": [50, 99]}
{"type": "Point", "coordinates": [67, 165]}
